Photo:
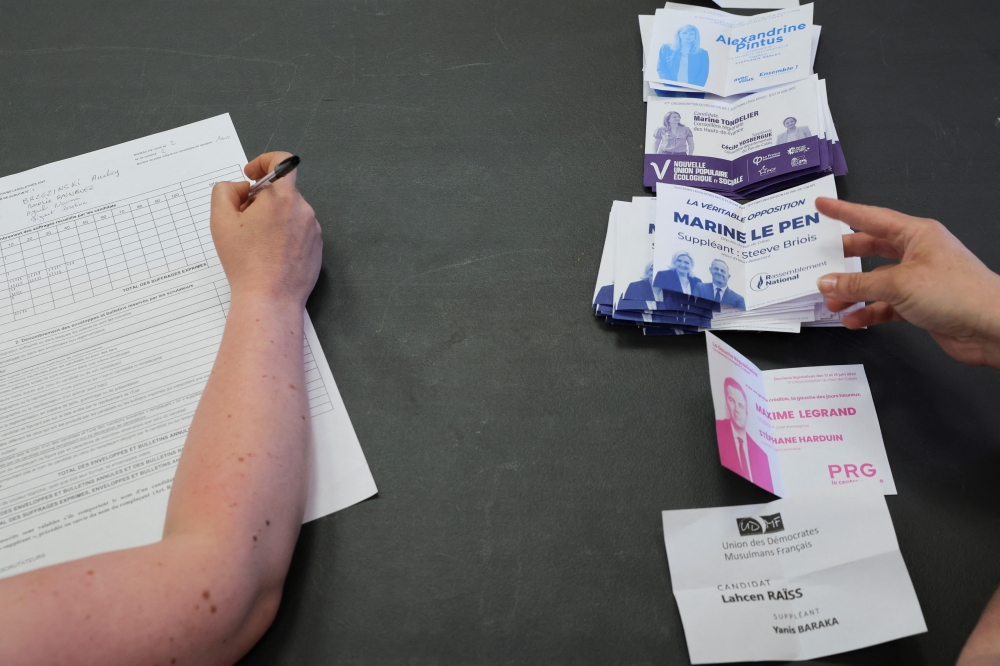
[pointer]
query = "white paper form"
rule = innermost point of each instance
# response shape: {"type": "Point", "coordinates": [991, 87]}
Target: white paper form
{"type": "Point", "coordinates": [797, 578]}
{"type": "Point", "coordinates": [112, 307]}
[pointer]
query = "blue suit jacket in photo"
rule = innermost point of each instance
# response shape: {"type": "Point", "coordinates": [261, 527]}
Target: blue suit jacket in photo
{"type": "Point", "coordinates": [668, 280]}
{"type": "Point", "coordinates": [730, 297]}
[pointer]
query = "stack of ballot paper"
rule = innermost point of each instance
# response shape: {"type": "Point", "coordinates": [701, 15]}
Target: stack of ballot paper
{"type": "Point", "coordinates": [743, 147]}
{"type": "Point", "coordinates": [694, 49]}
{"type": "Point", "coordinates": [660, 90]}
{"type": "Point", "coordinates": [624, 293]}
{"type": "Point", "coordinates": [689, 260]}
{"type": "Point", "coordinates": [734, 113]}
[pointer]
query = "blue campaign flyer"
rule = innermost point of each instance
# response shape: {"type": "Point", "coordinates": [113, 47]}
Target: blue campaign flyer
{"type": "Point", "coordinates": [711, 51]}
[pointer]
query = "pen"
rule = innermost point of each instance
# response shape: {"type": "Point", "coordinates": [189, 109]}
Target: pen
{"type": "Point", "coordinates": [284, 168]}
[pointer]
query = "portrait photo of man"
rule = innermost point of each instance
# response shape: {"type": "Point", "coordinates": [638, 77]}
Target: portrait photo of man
{"type": "Point", "coordinates": [718, 289]}
{"type": "Point", "coordinates": [737, 450]}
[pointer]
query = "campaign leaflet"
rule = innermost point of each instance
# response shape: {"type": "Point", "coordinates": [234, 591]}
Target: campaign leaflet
{"type": "Point", "coordinates": [794, 579]}
{"type": "Point", "coordinates": [796, 430]}
{"type": "Point", "coordinates": [748, 256]}
{"type": "Point", "coordinates": [742, 425]}
{"type": "Point", "coordinates": [712, 51]}
{"type": "Point", "coordinates": [604, 291]}
{"type": "Point", "coordinates": [738, 146]}
{"type": "Point", "coordinates": [635, 300]}
{"type": "Point", "coordinates": [825, 428]}
{"type": "Point", "coordinates": [666, 90]}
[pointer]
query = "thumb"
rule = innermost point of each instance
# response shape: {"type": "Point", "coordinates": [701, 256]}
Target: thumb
{"type": "Point", "coordinates": [227, 197]}
{"type": "Point", "coordinates": [859, 287]}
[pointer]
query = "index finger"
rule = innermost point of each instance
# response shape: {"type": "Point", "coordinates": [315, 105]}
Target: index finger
{"type": "Point", "coordinates": [878, 222]}
{"type": "Point", "coordinates": [865, 245]}
{"type": "Point", "coordinates": [262, 165]}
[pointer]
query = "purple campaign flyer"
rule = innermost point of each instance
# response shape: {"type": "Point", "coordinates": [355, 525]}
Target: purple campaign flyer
{"type": "Point", "coordinates": [730, 146]}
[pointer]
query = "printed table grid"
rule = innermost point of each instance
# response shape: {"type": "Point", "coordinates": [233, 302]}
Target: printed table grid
{"type": "Point", "coordinates": [117, 245]}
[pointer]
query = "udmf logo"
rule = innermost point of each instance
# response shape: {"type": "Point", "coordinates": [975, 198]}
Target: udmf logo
{"type": "Point", "coordinates": [760, 525]}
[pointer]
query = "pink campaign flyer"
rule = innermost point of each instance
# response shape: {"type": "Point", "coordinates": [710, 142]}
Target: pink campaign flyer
{"type": "Point", "coordinates": [796, 430]}
{"type": "Point", "coordinates": [742, 424]}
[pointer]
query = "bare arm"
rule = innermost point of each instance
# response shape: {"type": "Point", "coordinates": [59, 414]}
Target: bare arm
{"type": "Point", "coordinates": [209, 589]}
{"type": "Point", "coordinates": [983, 646]}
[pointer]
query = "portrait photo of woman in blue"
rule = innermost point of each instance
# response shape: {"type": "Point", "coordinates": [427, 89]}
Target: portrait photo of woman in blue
{"type": "Point", "coordinates": [679, 278]}
{"type": "Point", "coordinates": [684, 61]}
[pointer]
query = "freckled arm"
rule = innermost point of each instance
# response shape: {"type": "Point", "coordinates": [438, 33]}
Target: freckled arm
{"type": "Point", "coordinates": [210, 588]}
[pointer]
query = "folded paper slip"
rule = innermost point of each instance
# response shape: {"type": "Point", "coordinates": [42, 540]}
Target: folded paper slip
{"type": "Point", "coordinates": [797, 578]}
{"type": "Point", "coordinates": [742, 147]}
{"type": "Point", "coordinates": [625, 295]}
{"type": "Point", "coordinates": [707, 50]}
{"type": "Point", "coordinates": [651, 90]}
{"type": "Point", "coordinates": [745, 256]}
{"type": "Point", "coordinates": [796, 430]}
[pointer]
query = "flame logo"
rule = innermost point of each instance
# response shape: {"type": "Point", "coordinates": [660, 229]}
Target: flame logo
{"type": "Point", "coordinates": [759, 282]}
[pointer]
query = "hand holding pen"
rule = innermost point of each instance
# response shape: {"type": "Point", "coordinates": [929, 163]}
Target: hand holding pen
{"type": "Point", "coordinates": [282, 169]}
{"type": "Point", "coordinates": [271, 247]}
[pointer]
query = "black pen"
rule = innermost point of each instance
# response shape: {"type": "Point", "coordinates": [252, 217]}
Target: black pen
{"type": "Point", "coordinates": [284, 168]}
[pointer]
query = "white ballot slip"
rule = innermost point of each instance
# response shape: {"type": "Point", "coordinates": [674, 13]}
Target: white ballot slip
{"type": "Point", "coordinates": [797, 578]}
{"type": "Point", "coordinates": [757, 4]}
{"type": "Point", "coordinates": [709, 50]}
{"type": "Point", "coordinates": [112, 307]}
{"type": "Point", "coordinates": [604, 290]}
{"type": "Point", "coordinates": [748, 256]}
{"type": "Point", "coordinates": [797, 430]}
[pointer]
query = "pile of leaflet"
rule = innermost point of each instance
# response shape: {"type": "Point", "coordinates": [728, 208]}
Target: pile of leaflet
{"type": "Point", "coordinates": [675, 264]}
{"type": "Point", "coordinates": [734, 113]}
{"type": "Point", "coordinates": [743, 148]}
{"type": "Point", "coordinates": [773, 131]}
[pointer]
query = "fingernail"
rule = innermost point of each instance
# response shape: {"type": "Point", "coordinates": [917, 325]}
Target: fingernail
{"type": "Point", "coordinates": [827, 283]}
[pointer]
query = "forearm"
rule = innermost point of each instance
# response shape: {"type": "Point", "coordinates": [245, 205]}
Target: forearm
{"type": "Point", "coordinates": [983, 646]}
{"type": "Point", "coordinates": [243, 471]}
{"type": "Point", "coordinates": [206, 592]}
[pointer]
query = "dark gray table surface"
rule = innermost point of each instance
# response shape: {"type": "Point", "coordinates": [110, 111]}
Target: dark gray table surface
{"type": "Point", "coordinates": [462, 157]}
